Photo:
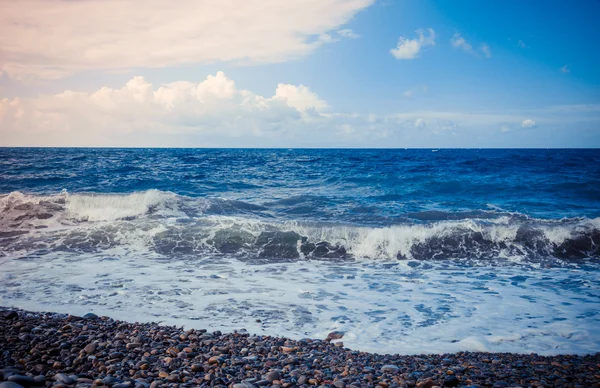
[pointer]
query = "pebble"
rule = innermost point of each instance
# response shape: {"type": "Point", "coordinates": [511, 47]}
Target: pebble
{"type": "Point", "coordinates": [390, 368]}
{"type": "Point", "coordinates": [272, 376]}
{"type": "Point", "coordinates": [63, 378]}
{"type": "Point", "coordinates": [71, 352]}
{"type": "Point", "coordinates": [10, 384]}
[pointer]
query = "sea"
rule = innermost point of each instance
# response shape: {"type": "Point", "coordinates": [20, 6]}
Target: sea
{"type": "Point", "coordinates": [405, 251]}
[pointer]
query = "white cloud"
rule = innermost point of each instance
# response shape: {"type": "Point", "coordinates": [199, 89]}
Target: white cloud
{"type": "Point", "coordinates": [348, 33]}
{"type": "Point", "coordinates": [55, 38]}
{"type": "Point", "coordinates": [521, 44]}
{"type": "Point", "coordinates": [565, 69]}
{"type": "Point", "coordinates": [458, 41]}
{"type": "Point", "coordinates": [461, 43]}
{"type": "Point", "coordinates": [486, 50]}
{"type": "Point", "coordinates": [420, 123]}
{"type": "Point", "coordinates": [300, 98]}
{"type": "Point", "coordinates": [529, 123]}
{"type": "Point", "coordinates": [410, 48]}
{"type": "Point", "coordinates": [216, 113]}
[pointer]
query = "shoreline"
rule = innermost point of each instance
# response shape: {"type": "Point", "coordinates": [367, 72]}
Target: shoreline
{"type": "Point", "coordinates": [49, 349]}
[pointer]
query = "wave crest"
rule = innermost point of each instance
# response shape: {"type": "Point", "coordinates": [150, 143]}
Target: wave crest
{"type": "Point", "coordinates": [172, 225]}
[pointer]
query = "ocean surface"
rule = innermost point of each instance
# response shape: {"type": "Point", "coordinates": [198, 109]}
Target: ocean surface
{"type": "Point", "coordinates": [406, 251]}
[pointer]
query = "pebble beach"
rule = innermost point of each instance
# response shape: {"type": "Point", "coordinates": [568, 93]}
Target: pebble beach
{"type": "Point", "coordinates": [60, 350]}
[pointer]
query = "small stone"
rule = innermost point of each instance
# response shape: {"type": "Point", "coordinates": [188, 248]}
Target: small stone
{"type": "Point", "coordinates": [110, 380]}
{"type": "Point", "coordinates": [90, 348]}
{"type": "Point", "coordinates": [215, 360]}
{"type": "Point", "coordinates": [21, 379]}
{"type": "Point", "coordinates": [501, 384]}
{"type": "Point", "coordinates": [244, 384]}
{"type": "Point", "coordinates": [272, 376]}
{"type": "Point", "coordinates": [451, 381]}
{"type": "Point", "coordinates": [131, 346]}
{"type": "Point", "coordinates": [334, 335]}
{"type": "Point", "coordinates": [427, 383]}
{"type": "Point", "coordinates": [302, 380]}
{"type": "Point", "coordinates": [114, 355]}
{"type": "Point", "coordinates": [91, 316]}
{"type": "Point", "coordinates": [339, 384]}
{"type": "Point", "coordinates": [163, 374]}
{"type": "Point", "coordinates": [389, 368]}
{"type": "Point", "coordinates": [10, 315]}
{"type": "Point", "coordinates": [63, 378]}
{"type": "Point", "coordinates": [10, 384]}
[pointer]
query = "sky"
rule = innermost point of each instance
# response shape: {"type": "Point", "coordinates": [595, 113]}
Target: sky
{"type": "Point", "coordinates": [300, 73]}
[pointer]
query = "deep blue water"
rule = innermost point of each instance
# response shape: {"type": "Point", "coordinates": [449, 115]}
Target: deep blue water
{"type": "Point", "coordinates": [353, 185]}
{"type": "Point", "coordinates": [532, 189]}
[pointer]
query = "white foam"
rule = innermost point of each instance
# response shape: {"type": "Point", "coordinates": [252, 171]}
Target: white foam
{"type": "Point", "coordinates": [110, 207]}
{"type": "Point", "coordinates": [384, 308]}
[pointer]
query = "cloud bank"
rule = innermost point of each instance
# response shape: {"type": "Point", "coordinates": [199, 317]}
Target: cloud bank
{"type": "Point", "coordinates": [216, 113]}
{"type": "Point", "coordinates": [55, 38]}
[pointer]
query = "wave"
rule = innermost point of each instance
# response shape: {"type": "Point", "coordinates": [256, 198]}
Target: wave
{"type": "Point", "coordinates": [171, 225]}
{"type": "Point", "coordinates": [17, 206]}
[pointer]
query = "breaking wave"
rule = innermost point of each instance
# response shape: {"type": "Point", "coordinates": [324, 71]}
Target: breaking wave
{"type": "Point", "coordinates": [171, 225]}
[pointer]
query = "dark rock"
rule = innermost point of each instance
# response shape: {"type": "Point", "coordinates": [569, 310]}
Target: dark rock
{"type": "Point", "coordinates": [10, 315]}
{"type": "Point", "coordinates": [20, 379]}
{"type": "Point", "coordinates": [451, 381]}
{"type": "Point", "coordinates": [334, 335]}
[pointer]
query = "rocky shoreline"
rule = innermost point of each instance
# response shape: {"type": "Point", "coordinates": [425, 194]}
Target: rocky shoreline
{"type": "Point", "coordinates": [58, 350]}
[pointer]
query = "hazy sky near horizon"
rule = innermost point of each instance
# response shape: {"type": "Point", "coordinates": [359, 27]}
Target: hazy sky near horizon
{"type": "Point", "coordinates": [300, 73]}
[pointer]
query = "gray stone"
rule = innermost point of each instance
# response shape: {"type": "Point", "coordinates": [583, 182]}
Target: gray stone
{"type": "Point", "coordinates": [272, 376]}
{"type": "Point", "coordinates": [10, 384]}
{"type": "Point", "coordinates": [244, 384]}
{"type": "Point", "coordinates": [389, 368]}
{"type": "Point", "coordinates": [63, 378]}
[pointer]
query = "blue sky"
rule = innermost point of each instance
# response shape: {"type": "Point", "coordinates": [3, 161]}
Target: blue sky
{"type": "Point", "coordinates": [465, 73]}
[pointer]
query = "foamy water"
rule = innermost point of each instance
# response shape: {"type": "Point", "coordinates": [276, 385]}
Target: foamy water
{"type": "Point", "coordinates": [392, 307]}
